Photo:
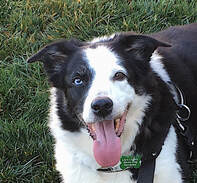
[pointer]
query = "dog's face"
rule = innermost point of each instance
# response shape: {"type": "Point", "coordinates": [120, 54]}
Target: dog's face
{"type": "Point", "coordinates": [105, 85]}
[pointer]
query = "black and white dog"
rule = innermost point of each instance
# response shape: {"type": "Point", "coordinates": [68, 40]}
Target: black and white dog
{"type": "Point", "coordinates": [118, 95]}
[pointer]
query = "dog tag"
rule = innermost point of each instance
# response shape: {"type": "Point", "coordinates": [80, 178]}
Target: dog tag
{"type": "Point", "coordinates": [126, 162]}
{"type": "Point", "coordinates": [130, 162]}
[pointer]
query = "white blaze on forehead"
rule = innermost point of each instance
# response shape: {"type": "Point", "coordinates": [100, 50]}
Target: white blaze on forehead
{"type": "Point", "coordinates": [105, 63]}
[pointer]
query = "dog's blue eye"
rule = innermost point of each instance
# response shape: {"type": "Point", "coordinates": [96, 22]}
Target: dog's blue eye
{"type": "Point", "coordinates": [77, 81]}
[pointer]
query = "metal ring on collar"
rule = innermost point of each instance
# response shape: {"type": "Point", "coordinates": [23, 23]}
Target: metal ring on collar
{"type": "Point", "coordinates": [186, 110]}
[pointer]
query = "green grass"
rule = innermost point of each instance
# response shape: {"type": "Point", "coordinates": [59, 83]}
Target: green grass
{"type": "Point", "coordinates": [26, 153]}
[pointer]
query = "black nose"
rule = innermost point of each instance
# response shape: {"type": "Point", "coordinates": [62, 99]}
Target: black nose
{"type": "Point", "coordinates": [102, 106]}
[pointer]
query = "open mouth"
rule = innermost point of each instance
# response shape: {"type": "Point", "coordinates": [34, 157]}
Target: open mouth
{"type": "Point", "coordinates": [118, 127]}
{"type": "Point", "coordinates": [106, 136]}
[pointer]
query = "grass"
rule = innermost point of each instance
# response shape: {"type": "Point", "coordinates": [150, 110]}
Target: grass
{"type": "Point", "coordinates": [26, 151]}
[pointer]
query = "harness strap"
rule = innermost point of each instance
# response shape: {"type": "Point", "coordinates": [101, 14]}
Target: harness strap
{"type": "Point", "coordinates": [146, 172]}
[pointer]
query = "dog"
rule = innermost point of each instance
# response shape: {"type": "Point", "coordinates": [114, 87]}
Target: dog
{"type": "Point", "coordinates": [121, 94]}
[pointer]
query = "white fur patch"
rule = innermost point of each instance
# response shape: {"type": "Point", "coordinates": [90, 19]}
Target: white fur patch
{"type": "Point", "coordinates": [103, 38]}
{"type": "Point", "coordinates": [167, 169]}
{"type": "Point", "coordinates": [158, 67]}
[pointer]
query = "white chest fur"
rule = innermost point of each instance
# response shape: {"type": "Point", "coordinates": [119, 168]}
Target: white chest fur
{"type": "Point", "coordinates": [74, 169]}
{"type": "Point", "coordinates": [73, 172]}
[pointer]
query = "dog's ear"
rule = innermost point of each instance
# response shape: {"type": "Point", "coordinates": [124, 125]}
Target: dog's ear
{"type": "Point", "coordinates": [139, 45]}
{"type": "Point", "coordinates": [54, 57]}
{"type": "Point", "coordinates": [56, 51]}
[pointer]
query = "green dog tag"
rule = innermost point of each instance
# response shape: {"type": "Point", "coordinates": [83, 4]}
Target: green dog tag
{"type": "Point", "coordinates": [130, 162]}
{"type": "Point", "coordinates": [125, 163]}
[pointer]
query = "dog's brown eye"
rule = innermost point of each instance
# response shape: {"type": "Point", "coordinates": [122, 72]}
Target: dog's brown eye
{"type": "Point", "coordinates": [119, 76]}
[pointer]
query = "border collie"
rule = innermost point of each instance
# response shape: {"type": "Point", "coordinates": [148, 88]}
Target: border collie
{"type": "Point", "coordinates": [118, 95]}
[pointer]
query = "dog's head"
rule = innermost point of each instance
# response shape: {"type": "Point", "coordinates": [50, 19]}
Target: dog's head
{"type": "Point", "coordinates": [105, 83]}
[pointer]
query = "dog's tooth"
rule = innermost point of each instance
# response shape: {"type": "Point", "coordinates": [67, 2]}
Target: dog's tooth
{"type": "Point", "coordinates": [117, 120]}
{"type": "Point", "coordinates": [117, 124]}
{"type": "Point", "coordinates": [93, 128]}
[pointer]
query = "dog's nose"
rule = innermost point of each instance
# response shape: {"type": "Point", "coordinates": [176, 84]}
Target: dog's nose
{"type": "Point", "coordinates": [102, 106]}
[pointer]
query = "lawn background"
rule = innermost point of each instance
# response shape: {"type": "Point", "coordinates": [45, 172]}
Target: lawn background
{"type": "Point", "coordinates": [26, 153]}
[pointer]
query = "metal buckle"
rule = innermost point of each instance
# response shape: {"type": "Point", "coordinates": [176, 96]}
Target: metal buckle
{"type": "Point", "coordinates": [183, 113]}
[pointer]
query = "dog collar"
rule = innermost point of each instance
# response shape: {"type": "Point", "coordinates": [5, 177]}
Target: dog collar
{"type": "Point", "coordinates": [126, 162]}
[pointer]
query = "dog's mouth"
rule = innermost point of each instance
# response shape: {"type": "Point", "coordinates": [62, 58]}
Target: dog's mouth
{"type": "Point", "coordinates": [106, 135]}
{"type": "Point", "coordinates": [118, 124]}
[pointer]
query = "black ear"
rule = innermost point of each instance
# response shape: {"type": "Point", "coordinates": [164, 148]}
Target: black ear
{"type": "Point", "coordinates": [55, 51]}
{"type": "Point", "coordinates": [141, 46]}
{"type": "Point", "coordinates": [55, 57]}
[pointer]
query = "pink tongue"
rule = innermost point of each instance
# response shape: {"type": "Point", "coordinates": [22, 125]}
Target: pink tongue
{"type": "Point", "coordinates": [107, 147]}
